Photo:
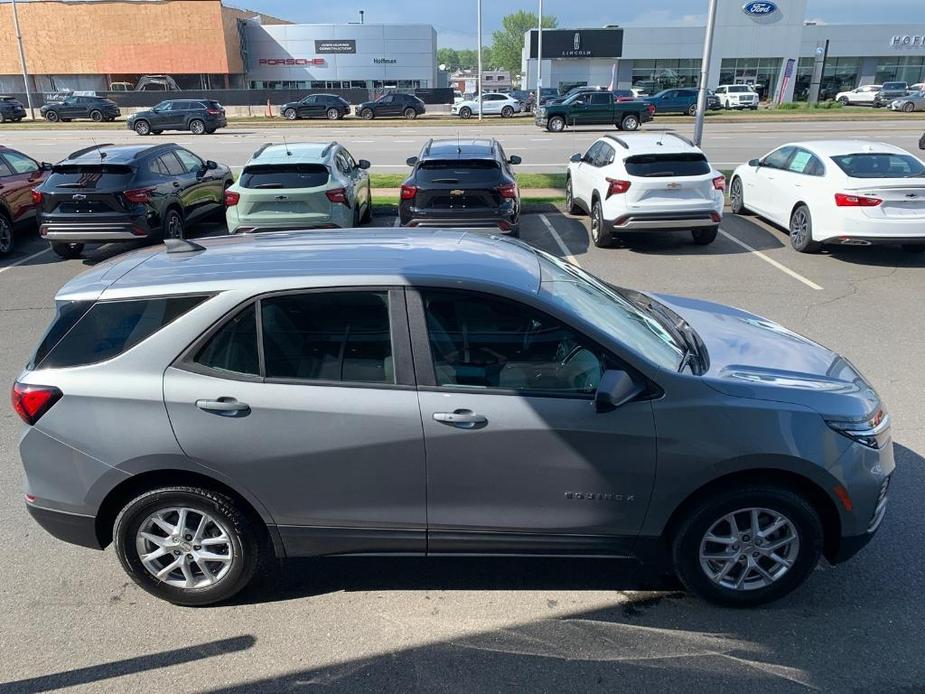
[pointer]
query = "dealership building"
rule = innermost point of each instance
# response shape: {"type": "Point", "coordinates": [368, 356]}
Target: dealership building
{"type": "Point", "coordinates": [770, 45]}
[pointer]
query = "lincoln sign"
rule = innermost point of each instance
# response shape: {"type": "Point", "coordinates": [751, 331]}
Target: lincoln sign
{"type": "Point", "coordinates": [578, 43]}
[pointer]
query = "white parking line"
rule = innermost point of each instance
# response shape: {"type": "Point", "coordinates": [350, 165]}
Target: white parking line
{"type": "Point", "coordinates": [566, 253]}
{"type": "Point", "coordinates": [783, 268]}
{"type": "Point", "coordinates": [24, 260]}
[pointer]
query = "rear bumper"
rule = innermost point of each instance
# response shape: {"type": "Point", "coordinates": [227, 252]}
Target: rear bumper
{"type": "Point", "coordinates": [505, 218]}
{"type": "Point", "coordinates": [666, 220]}
{"type": "Point", "coordinates": [463, 222]}
{"type": "Point", "coordinates": [858, 229]}
{"type": "Point", "coordinates": [79, 231]}
{"type": "Point", "coordinates": [70, 527]}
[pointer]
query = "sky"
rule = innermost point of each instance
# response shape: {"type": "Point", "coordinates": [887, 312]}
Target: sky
{"type": "Point", "coordinates": [455, 20]}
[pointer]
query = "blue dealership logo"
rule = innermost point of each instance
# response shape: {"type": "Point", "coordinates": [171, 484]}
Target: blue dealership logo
{"type": "Point", "coordinates": [759, 9]}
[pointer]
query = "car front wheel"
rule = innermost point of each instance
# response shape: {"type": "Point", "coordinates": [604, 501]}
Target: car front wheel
{"type": "Point", "coordinates": [629, 123]}
{"type": "Point", "coordinates": [747, 546]}
{"type": "Point", "coordinates": [52, 117]}
{"type": "Point", "coordinates": [465, 113]}
{"type": "Point", "coordinates": [367, 114]}
{"type": "Point", "coordinates": [187, 545]}
{"type": "Point", "coordinates": [556, 124]}
{"type": "Point", "coordinates": [290, 114]}
{"type": "Point", "coordinates": [507, 112]}
{"type": "Point", "coordinates": [142, 127]}
{"type": "Point", "coordinates": [570, 205]}
{"type": "Point", "coordinates": [6, 235]}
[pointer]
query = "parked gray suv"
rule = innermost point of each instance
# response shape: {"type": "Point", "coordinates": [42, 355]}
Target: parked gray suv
{"type": "Point", "coordinates": [436, 393]}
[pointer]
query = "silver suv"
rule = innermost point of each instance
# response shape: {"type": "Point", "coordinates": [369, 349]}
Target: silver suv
{"type": "Point", "coordinates": [439, 393]}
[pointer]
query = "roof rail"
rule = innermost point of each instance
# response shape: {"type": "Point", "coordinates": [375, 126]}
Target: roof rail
{"type": "Point", "coordinates": [86, 150]}
{"type": "Point", "coordinates": [618, 140]}
{"type": "Point", "coordinates": [182, 246]}
{"type": "Point", "coordinates": [328, 147]}
{"type": "Point", "coordinates": [262, 148]}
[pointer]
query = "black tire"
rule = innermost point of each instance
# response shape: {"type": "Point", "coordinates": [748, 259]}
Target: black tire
{"type": "Point", "coordinates": [52, 116]}
{"type": "Point", "coordinates": [210, 131]}
{"type": "Point", "coordinates": [908, 108]}
{"type": "Point", "coordinates": [2, 118]}
{"type": "Point", "coordinates": [156, 132]}
{"type": "Point", "coordinates": [600, 235]}
{"type": "Point", "coordinates": [410, 114]}
{"type": "Point", "coordinates": [801, 231]}
{"type": "Point", "coordinates": [68, 251]}
{"type": "Point", "coordinates": [246, 543]}
{"type": "Point", "coordinates": [737, 197]}
{"type": "Point", "coordinates": [356, 217]}
{"type": "Point", "coordinates": [507, 112]}
{"type": "Point", "coordinates": [333, 114]}
{"type": "Point", "coordinates": [692, 110]}
{"type": "Point", "coordinates": [197, 127]}
{"type": "Point", "coordinates": [465, 113]}
{"type": "Point", "coordinates": [172, 226]}
{"type": "Point", "coordinates": [96, 116]}
{"type": "Point", "coordinates": [367, 114]}
{"type": "Point", "coordinates": [368, 212]}
{"type": "Point", "coordinates": [844, 101]}
{"type": "Point", "coordinates": [570, 205]}
{"type": "Point", "coordinates": [514, 233]}
{"type": "Point", "coordinates": [142, 127]}
{"type": "Point", "coordinates": [290, 114]}
{"type": "Point", "coordinates": [686, 543]}
{"type": "Point", "coordinates": [705, 236]}
{"type": "Point", "coordinates": [556, 124]}
{"type": "Point", "coordinates": [913, 248]}
{"type": "Point", "coordinates": [630, 123]}
{"type": "Point", "coordinates": [7, 240]}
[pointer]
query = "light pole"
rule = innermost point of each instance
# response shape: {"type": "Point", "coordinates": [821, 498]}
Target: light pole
{"type": "Point", "coordinates": [479, 32]}
{"type": "Point", "coordinates": [362, 17]}
{"type": "Point", "coordinates": [705, 74]}
{"type": "Point", "coordinates": [539, 59]}
{"type": "Point", "coordinates": [22, 61]}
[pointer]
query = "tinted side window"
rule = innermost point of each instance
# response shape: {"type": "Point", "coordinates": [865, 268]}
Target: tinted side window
{"type": "Point", "coordinates": [600, 99]}
{"type": "Point", "coordinates": [593, 151]}
{"type": "Point", "coordinates": [20, 162]}
{"type": "Point", "coordinates": [234, 347]}
{"type": "Point", "coordinates": [112, 327]}
{"type": "Point", "coordinates": [328, 336]}
{"type": "Point", "coordinates": [779, 159]}
{"type": "Point", "coordinates": [191, 163]}
{"type": "Point", "coordinates": [172, 164]}
{"type": "Point", "coordinates": [805, 163]}
{"type": "Point", "coordinates": [480, 342]}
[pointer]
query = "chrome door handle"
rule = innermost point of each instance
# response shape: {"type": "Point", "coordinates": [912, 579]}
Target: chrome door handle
{"type": "Point", "coordinates": [461, 419]}
{"type": "Point", "coordinates": [227, 407]}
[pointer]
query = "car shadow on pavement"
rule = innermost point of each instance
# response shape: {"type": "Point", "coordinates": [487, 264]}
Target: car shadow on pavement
{"type": "Point", "coordinates": [129, 666]}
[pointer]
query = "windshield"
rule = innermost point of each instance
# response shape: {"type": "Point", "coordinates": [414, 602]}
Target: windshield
{"type": "Point", "coordinates": [744, 89]}
{"type": "Point", "coordinates": [880, 165]}
{"type": "Point", "coordinates": [594, 302]}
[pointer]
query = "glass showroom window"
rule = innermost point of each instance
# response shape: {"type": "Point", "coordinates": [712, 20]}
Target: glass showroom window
{"type": "Point", "coordinates": [655, 75]}
{"type": "Point", "coordinates": [906, 68]}
{"type": "Point", "coordinates": [761, 73]}
{"type": "Point", "coordinates": [839, 75]}
{"type": "Point", "coordinates": [804, 78]}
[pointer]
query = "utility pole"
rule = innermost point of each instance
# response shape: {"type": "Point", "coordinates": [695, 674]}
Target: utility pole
{"type": "Point", "coordinates": [479, 32]}
{"type": "Point", "coordinates": [539, 59]}
{"type": "Point", "coordinates": [705, 74]}
{"type": "Point", "coordinates": [22, 61]}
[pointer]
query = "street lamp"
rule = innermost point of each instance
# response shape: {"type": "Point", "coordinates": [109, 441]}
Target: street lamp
{"type": "Point", "coordinates": [704, 74]}
{"type": "Point", "coordinates": [539, 59]}
{"type": "Point", "coordinates": [22, 61]}
{"type": "Point", "coordinates": [479, 32]}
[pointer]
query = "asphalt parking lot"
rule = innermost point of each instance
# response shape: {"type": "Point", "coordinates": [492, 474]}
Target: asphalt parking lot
{"type": "Point", "coordinates": [70, 617]}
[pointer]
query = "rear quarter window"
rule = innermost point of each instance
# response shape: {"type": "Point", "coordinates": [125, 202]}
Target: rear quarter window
{"type": "Point", "coordinates": [285, 176]}
{"type": "Point", "coordinates": [82, 334]}
{"type": "Point", "coordinates": [666, 165]}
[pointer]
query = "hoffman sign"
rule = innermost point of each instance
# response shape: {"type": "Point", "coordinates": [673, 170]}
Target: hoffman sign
{"type": "Point", "coordinates": [908, 41]}
{"type": "Point", "coordinates": [578, 43]}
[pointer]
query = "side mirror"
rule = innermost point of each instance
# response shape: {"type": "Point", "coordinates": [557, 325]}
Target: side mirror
{"type": "Point", "coordinates": [754, 163]}
{"type": "Point", "coordinates": [211, 165]}
{"type": "Point", "coordinates": [363, 164]}
{"type": "Point", "coordinates": [411, 161]}
{"type": "Point", "coordinates": [46, 166]}
{"type": "Point", "coordinates": [579, 102]}
{"type": "Point", "coordinates": [615, 390]}
{"type": "Point", "coordinates": [514, 159]}
{"type": "Point", "coordinates": [576, 158]}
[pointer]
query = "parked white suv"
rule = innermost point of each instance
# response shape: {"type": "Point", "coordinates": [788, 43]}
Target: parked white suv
{"type": "Point", "coordinates": [737, 96]}
{"type": "Point", "coordinates": [646, 182]}
{"type": "Point", "coordinates": [503, 105]}
{"type": "Point", "coordinates": [862, 96]}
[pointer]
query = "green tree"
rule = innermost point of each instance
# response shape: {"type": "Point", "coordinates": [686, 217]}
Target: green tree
{"type": "Point", "coordinates": [469, 59]}
{"type": "Point", "coordinates": [448, 57]}
{"type": "Point", "coordinates": [507, 43]}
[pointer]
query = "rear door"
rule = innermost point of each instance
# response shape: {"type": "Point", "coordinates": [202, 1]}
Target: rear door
{"type": "Point", "coordinates": [320, 422]}
{"type": "Point", "coordinates": [17, 179]}
{"type": "Point", "coordinates": [461, 187]}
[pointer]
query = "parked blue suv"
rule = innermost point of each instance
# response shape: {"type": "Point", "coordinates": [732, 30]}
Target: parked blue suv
{"type": "Point", "coordinates": [680, 101]}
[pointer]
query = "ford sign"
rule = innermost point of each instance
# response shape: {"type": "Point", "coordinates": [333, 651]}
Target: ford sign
{"type": "Point", "coordinates": [759, 9]}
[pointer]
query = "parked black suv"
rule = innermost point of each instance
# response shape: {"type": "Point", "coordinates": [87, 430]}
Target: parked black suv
{"type": "Point", "coordinates": [889, 92]}
{"type": "Point", "coordinates": [12, 109]}
{"type": "Point", "coordinates": [392, 105]}
{"type": "Point", "coordinates": [127, 192]}
{"type": "Point", "coordinates": [96, 108]}
{"type": "Point", "coordinates": [467, 183]}
{"type": "Point", "coordinates": [328, 106]}
{"type": "Point", "coordinates": [199, 116]}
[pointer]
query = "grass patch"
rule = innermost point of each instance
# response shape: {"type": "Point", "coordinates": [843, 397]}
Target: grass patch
{"type": "Point", "coordinates": [803, 106]}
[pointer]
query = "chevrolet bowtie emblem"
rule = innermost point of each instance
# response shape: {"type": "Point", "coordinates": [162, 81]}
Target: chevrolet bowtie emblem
{"type": "Point", "coordinates": [456, 193]}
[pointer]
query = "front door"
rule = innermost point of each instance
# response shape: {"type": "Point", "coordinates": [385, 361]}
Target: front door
{"type": "Point", "coordinates": [518, 458]}
{"type": "Point", "coordinates": [600, 108]}
{"type": "Point", "coordinates": [761, 189]}
{"type": "Point", "coordinates": [168, 116]}
{"type": "Point", "coordinates": [309, 107]}
{"type": "Point", "coordinates": [321, 424]}
{"type": "Point", "coordinates": [202, 190]}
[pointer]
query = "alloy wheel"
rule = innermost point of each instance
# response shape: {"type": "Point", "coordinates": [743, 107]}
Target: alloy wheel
{"type": "Point", "coordinates": [197, 127]}
{"type": "Point", "coordinates": [142, 127]}
{"type": "Point", "coordinates": [596, 222]}
{"type": "Point", "coordinates": [333, 114]}
{"type": "Point", "coordinates": [185, 547]}
{"type": "Point", "coordinates": [736, 196]}
{"type": "Point", "coordinates": [799, 228]}
{"type": "Point", "coordinates": [749, 549]}
{"type": "Point", "coordinates": [6, 236]}
{"type": "Point", "coordinates": [557, 125]}
{"type": "Point", "coordinates": [289, 114]}
{"type": "Point", "coordinates": [174, 226]}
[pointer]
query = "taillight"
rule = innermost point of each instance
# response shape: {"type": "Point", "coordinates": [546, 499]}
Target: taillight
{"type": "Point", "coordinates": [31, 402]}
{"type": "Point", "coordinates": [337, 195]}
{"type": "Point", "coordinates": [846, 200]}
{"type": "Point", "coordinates": [139, 196]}
{"type": "Point", "coordinates": [719, 183]}
{"type": "Point", "coordinates": [409, 192]}
{"type": "Point", "coordinates": [231, 198]}
{"type": "Point", "coordinates": [651, 108]}
{"type": "Point", "coordinates": [36, 197]}
{"type": "Point", "coordinates": [213, 112]}
{"type": "Point", "coordinates": [508, 190]}
{"type": "Point", "coordinates": [617, 187]}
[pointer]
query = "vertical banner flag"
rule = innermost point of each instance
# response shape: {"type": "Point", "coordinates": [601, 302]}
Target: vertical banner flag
{"type": "Point", "coordinates": [788, 74]}
{"type": "Point", "coordinates": [613, 77]}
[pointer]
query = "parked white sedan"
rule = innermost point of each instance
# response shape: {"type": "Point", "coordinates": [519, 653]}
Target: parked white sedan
{"type": "Point", "coordinates": [848, 192]}
{"type": "Point", "coordinates": [503, 105]}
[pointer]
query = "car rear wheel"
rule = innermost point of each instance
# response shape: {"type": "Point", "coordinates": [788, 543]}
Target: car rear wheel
{"type": "Point", "coordinates": [173, 225]}
{"type": "Point", "coordinates": [156, 132]}
{"type": "Point", "coordinates": [465, 113]}
{"type": "Point", "coordinates": [737, 197]}
{"type": "Point", "coordinates": [747, 546]}
{"type": "Point", "coordinates": [570, 205]}
{"type": "Point", "coordinates": [630, 122]}
{"type": "Point", "coordinates": [600, 235]}
{"type": "Point", "coordinates": [290, 114]}
{"type": "Point", "coordinates": [188, 545]}
{"type": "Point", "coordinates": [908, 108]}
{"type": "Point", "coordinates": [556, 124]}
{"type": "Point", "coordinates": [410, 114]}
{"type": "Point", "coordinates": [333, 114]}
{"type": "Point", "coordinates": [801, 231]}
{"type": "Point", "coordinates": [367, 114]}
{"type": "Point", "coordinates": [6, 235]}
{"type": "Point", "coordinates": [507, 112]}
{"type": "Point", "coordinates": [52, 117]}
{"type": "Point", "coordinates": [96, 116]}
{"type": "Point", "coordinates": [197, 127]}
{"type": "Point", "coordinates": [705, 236]}
{"type": "Point", "coordinates": [142, 127]}
{"type": "Point", "coordinates": [68, 251]}
{"type": "Point", "coordinates": [692, 110]}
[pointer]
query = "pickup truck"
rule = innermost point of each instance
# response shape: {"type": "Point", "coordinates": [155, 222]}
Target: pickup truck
{"type": "Point", "coordinates": [599, 108]}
